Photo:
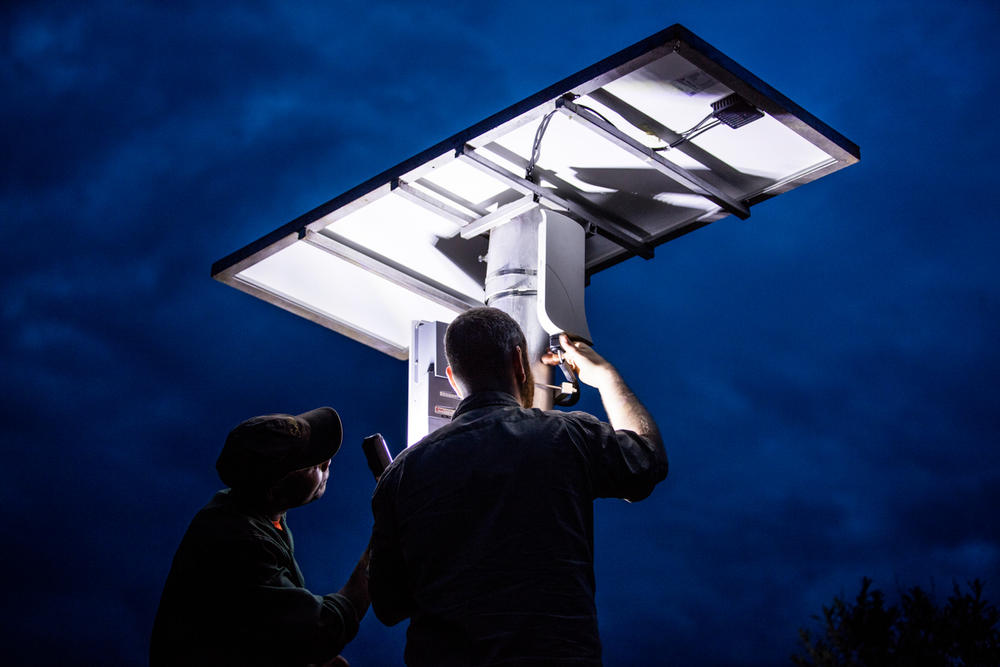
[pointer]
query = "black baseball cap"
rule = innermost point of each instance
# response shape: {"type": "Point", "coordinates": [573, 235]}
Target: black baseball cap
{"type": "Point", "coordinates": [262, 450]}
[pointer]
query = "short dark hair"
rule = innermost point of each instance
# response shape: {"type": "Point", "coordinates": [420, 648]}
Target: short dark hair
{"type": "Point", "coordinates": [479, 345]}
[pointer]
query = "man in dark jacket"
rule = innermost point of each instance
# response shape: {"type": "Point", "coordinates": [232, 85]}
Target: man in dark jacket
{"type": "Point", "coordinates": [483, 530]}
{"type": "Point", "coordinates": [235, 595]}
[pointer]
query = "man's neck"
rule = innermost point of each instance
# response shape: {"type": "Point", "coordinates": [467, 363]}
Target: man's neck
{"type": "Point", "coordinates": [261, 506]}
{"type": "Point", "coordinates": [512, 390]}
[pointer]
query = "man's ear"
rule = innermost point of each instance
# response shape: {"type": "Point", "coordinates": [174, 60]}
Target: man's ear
{"type": "Point", "coordinates": [520, 373]}
{"type": "Point", "coordinates": [452, 381]}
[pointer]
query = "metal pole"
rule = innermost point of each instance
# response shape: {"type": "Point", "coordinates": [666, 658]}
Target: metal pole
{"type": "Point", "coordinates": [512, 286]}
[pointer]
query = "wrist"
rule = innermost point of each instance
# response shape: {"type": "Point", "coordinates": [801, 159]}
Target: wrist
{"type": "Point", "coordinates": [605, 378]}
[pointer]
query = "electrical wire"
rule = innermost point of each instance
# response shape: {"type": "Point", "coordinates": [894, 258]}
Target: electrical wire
{"type": "Point", "coordinates": [596, 113]}
{"type": "Point", "coordinates": [687, 135]}
{"type": "Point", "coordinates": [701, 131]}
{"type": "Point", "coordinates": [536, 147]}
{"type": "Point", "coordinates": [696, 125]}
{"type": "Point", "coordinates": [690, 134]}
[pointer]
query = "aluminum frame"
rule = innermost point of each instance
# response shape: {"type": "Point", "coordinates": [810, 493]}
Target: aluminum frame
{"type": "Point", "coordinates": [472, 219]}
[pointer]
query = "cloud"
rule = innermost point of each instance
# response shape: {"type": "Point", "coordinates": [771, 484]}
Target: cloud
{"type": "Point", "coordinates": [823, 372]}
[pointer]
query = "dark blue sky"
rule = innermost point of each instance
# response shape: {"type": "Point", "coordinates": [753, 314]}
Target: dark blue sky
{"type": "Point", "coordinates": [824, 373]}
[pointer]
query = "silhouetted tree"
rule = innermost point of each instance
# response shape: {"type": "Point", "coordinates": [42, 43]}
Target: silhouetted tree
{"type": "Point", "coordinates": [965, 632]}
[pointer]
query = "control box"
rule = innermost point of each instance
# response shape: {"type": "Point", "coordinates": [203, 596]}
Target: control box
{"type": "Point", "coordinates": [432, 401]}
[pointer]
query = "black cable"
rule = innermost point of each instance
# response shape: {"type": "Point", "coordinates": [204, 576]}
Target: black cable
{"type": "Point", "coordinates": [699, 132]}
{"type": "Point", "coordinates": [688, 135]}
{"type": "Point", "coordinates": [696, 125]}
{"type": "Point", "coordinates": [596, 113]}
{"type": "Point", "coordinates": [536, 147]}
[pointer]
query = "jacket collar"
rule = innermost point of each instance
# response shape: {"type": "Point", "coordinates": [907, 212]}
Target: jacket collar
{"type": "Point", "coordinates": [485, 399]}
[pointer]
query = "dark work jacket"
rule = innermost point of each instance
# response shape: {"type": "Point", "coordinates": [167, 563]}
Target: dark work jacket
{"type": "Point", "coordinates": [236, 596]}
{"type": "Point", "coordinates": [483, 533]}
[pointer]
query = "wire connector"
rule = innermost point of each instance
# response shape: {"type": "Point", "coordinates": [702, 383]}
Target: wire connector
{"type": "Point", "coordinates": [735, 111]}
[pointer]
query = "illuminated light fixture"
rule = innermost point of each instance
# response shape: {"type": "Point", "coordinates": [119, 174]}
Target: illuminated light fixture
{"type": "Point", "coordinates": [648, 144]}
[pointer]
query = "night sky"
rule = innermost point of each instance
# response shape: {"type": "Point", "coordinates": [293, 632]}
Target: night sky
{"type": "Point", "coordinates": [824, 373]}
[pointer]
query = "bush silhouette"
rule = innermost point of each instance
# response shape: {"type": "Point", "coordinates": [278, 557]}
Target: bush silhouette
{"type": "Point", "coordinates": [915, 633]}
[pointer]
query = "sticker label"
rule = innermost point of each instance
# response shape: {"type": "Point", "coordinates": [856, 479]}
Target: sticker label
{"type": "Point", "coordinates": [693, 82]}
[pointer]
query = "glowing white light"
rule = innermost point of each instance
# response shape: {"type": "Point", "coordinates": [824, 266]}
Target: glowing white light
{"type": "Point", "coordinates": [466, 182]}
{"type": "Point", "coordinates": [657, 91]}
{"type": "Point", "coordinates": [684, 200]}
{"type": "Point", "coordinates": [763, 148]}
{"type": "Point", "coordinates": [343, 292]}
{"type": "Point", "coordinates": [570, 151]}
{"type": "Point", "coordinates": [426, 218]}
{"type": "Point", "coordinates": [408, 234]}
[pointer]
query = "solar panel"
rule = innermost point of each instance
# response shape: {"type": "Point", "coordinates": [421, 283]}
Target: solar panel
{"type": "Point", "coordinates": [653, 142]}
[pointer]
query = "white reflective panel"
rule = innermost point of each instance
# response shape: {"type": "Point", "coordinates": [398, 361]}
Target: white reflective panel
{"type": "Point", "coordinates": [683, 200]}
{"type": "Point", "coordinates": [429, 217]}
{"type": "Point", "coordinates": [446, 198]}
{"type": "Point", "coordinates": [411, 235]}
{"type": "Point", "coordinates": [343, 292]}
{"type": "Point", "coordinates": [466, 182]}
{"type": "Point", "coordinates": [763, 148]}
{"type": "Point", "coordinates": [670, 90]}
{"type": "Point", "coordinates": [677, 94]}
{"type": "Point", "coordinates": [514, 160]}
{"type": "Point", "coordinates": [575, 153]}
{"type": "Point", "coordinates": [647, 139]}
{"type": "Point", "coordinates": [680, 158]}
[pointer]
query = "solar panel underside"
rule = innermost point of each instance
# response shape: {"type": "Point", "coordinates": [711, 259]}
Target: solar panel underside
{"type": "Point", "coordinates": [628, 147]}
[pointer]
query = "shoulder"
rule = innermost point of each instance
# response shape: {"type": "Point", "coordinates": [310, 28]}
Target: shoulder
{"type": "Point", "coordinates": [223, 526]}
{"type": "Point", "coordinates": [223, 515]}
{"type": "Point", "coordinates": [582, 424]}
{"type": "Point", "coordinates": [575, 416]}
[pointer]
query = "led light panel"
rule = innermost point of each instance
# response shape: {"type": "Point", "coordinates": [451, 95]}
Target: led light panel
{"type": "Point", "coordinates": [629, 147]}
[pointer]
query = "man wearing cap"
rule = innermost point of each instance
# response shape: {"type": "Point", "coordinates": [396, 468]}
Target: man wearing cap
{"type": "Point", "coordinates": [483, 531]}
{"type": "Point", "coordinates": [235, 595]}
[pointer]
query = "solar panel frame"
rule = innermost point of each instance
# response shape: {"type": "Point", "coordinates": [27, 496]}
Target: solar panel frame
{"type": "Point", "coordinates": [478, 146]}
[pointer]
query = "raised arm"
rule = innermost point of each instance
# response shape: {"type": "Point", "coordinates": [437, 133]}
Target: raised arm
{"type": "Point", "coordinates": [624, 410]}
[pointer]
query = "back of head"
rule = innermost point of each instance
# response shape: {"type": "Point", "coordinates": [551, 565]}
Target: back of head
{"type": "Point", "coordinates": [479, 345]}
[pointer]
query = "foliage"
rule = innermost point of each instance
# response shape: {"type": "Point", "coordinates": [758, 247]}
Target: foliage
{"type": "Point", "coordinates": [965, 632]}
